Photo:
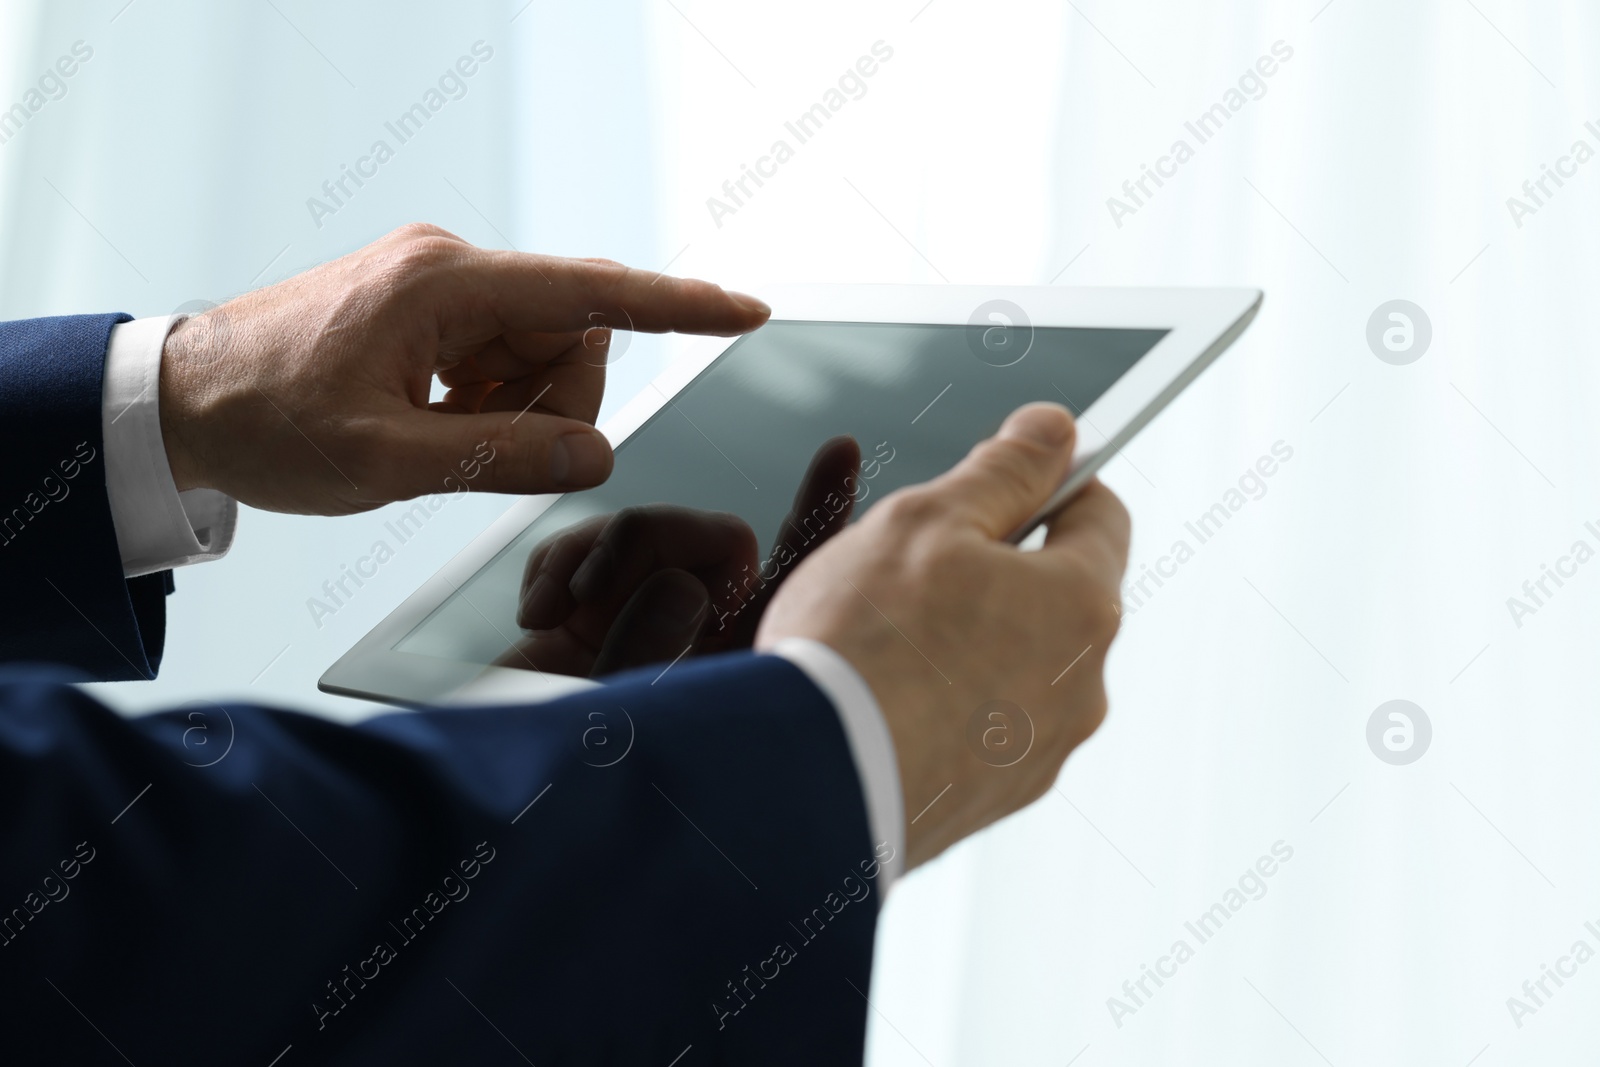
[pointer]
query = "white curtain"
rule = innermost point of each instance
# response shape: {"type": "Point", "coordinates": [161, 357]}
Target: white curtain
{"type": "Point", "coordinates": [1409, 502]}
{"type": "Point", "coordinates": [1375, 564]}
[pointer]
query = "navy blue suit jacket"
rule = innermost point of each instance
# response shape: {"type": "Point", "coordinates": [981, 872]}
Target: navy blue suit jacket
{"type": "Point", "coordinates": [238, 883]}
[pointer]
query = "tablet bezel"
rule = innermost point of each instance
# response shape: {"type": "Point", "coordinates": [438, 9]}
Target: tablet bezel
{"type": "Point", "coordinates": [1201, 323]}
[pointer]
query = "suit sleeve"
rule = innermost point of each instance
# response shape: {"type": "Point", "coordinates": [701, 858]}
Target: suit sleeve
{"type": "Point", "coordinates": [653, 869]}
{"type": "Point", "coordinates": [67, 599]}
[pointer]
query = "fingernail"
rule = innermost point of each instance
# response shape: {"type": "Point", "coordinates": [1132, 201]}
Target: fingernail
{"type": "Point", "coordinates": [1043, 424]}
{"type": "Point", "coordinates": [579, 460]}
{"type": "Point", "coordinates": [750, 303]}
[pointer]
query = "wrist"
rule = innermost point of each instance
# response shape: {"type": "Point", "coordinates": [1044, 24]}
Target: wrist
{"type": "Point", "coordinates": [181, 401]}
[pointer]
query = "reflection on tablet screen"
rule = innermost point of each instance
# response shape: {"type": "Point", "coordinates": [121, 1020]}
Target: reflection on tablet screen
{"type": "Point", "coordinates": [791, 434]}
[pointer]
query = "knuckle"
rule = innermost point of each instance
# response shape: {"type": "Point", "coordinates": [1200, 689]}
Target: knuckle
{"type": "Point", "coordinates": [1121, 522]}
{"type": "Point", "coordinates": [1014, 465]}
{"type": "Point", "coordinates": [1093, 713]}
{"type": "Point", "coordinates": [910, 507]}
{"type": "Point", "coordinates": [696, 290]}
{"type": "Point", "coordinates": [1078, 721]}
{"type": "Point", "coordinates": [1106, 617]}
{"type": "Point", "coordinates": [535, 562]}
{"type": "Point", "coordinates": [503, 441]}
{"type": "Point", "coordinates": [417, 230]}
{"type": "Point", "coordinates": [1097, 595]}
{"type": "Point", "coordinates": [630, 523]}
{"type": "Point", "coordinates": [1035, 788]}
{"type": "Point", "coordinates": [424, 253]}
{"type": "Point", "coordinates": [1119, 510]}
{"type": "Point", "coordinates": [607, 277]}
{"type": "Point", "coordinates": [735, 530]}
{"type": "Point", "coordinates": [949, 560]}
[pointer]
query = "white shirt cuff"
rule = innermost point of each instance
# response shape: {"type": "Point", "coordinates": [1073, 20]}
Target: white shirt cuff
{"type": "Point", "coordinates": [870, 742]}
{"type": "Point", "coordinates": [157, 527]}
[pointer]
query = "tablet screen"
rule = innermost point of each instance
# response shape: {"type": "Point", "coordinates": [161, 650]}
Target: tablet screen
{"type": "Point", "coordinates": [791, 434]}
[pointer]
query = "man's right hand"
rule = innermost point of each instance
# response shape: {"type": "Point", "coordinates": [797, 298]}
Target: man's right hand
{"type": "Point", "coordinates": [311, 396]}
{"type": "Point", "coordinates": [942, 618]}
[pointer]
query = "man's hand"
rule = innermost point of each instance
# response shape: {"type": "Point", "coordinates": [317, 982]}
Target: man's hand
{"type": "Point", "coordinates": [311, 396]}
{"type": "Point", "coordinates": [942, 618]}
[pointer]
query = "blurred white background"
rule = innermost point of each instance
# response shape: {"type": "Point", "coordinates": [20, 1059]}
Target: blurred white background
{"type": "Point", "coordinates": [1376, 166]}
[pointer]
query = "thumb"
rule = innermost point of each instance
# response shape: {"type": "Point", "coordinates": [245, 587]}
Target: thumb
{"type": "Point", "coordinates": [1008, 477]}
{"type": "Point", "coordinates": [497, 452]}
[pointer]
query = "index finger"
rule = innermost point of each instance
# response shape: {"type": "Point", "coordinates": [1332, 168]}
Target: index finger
{"type": "Point", "coordinates": [1095, 527]}
{"type": "Point", "coordinates": [546, 294]}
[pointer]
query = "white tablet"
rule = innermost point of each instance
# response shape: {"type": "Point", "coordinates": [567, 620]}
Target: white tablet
{"type": "Point", "coordinates": [746, 454]}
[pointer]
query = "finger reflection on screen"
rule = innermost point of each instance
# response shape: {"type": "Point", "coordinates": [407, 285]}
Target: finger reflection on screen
{"type": "Point", "coordinates": [656, 582]}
